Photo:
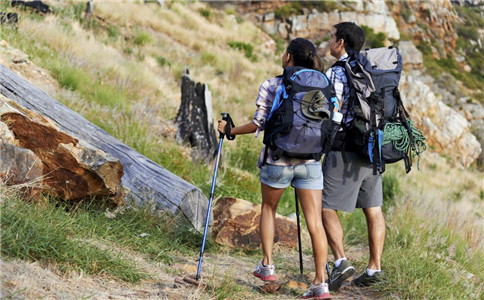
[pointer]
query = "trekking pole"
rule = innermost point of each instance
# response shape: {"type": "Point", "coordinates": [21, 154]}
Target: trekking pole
{"type": "Point", "coordinates": [298, 234]}
{"type": "Point", "coordinates": [225, 117]}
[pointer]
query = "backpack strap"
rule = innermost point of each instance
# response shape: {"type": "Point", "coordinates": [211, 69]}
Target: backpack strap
{"type": "Point", "coordinates": [276, 153]}
{"type": "Point", "coordinates": [341, 135]}
{"type": "Point", "coordinates": [374, 140]}
{"type": "Point", "coordinates": [339, 63]}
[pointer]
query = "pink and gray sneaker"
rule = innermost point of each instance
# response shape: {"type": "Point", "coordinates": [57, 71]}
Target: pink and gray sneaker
{"type": "Point", "coordinates": [319, 291]}
{"type": "Point", "coordinates": [266, 273]}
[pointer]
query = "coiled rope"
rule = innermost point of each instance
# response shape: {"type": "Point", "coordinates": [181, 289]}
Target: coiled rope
{"type": "Point", "coordinates": [398, 135]}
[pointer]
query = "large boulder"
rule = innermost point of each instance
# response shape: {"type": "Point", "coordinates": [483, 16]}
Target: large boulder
{"type": "Point", "coordinates": [236, 225]}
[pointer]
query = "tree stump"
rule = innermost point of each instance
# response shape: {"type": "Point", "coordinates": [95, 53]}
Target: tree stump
{"type": "Point", "coordinates": [195, 119]}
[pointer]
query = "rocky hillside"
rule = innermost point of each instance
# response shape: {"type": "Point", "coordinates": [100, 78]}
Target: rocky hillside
{"type": "Point", "coordinates": [119, 66]}
{"type": "Point", "coordinates": [448, 111]}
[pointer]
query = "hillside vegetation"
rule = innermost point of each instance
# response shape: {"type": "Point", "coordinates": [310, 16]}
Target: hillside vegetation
{"type": "Point", "coordinates": [121, 70]}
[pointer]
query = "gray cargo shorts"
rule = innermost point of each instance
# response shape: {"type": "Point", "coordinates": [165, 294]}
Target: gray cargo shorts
{"type": "Point", "coordinates": [350, 183]}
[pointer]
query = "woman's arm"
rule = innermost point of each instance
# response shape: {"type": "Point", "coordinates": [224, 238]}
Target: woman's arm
{"type": "Point", "coordinates": [242, 129]}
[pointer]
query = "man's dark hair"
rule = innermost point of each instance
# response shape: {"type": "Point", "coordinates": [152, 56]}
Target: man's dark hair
{"type": "Point", "coordinates": [352, 34]}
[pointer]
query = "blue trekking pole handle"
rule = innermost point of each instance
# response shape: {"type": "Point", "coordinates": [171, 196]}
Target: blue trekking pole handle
{"type": "Point", "coordinates": [225, 116]}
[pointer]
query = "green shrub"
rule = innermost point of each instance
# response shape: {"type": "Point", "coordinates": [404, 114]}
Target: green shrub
{"type": "Point", "coordinates": [113, 31]}
{"type": "Point", "coordinates": [142, 38]}
{"type": "Point", "coordinates": [208, 58]}
{"type": "Point", "coordinates": [469, 33]}
{"type": "Point", "coordinates": [373, 40]}
{"type": "Point", "coordinates": [206, 13]}
{"type": "Point", "coordinates": [425, 48]}
{"type": "Point", "coordinates": [296, 7]}
{"type": "Point", "coordinates": [162, 61]}
{"type": "Point", "coordinates": [247, 48]}
{"type": "Point", "coordinates": [287, 10]}
{"type": "Point", "coordinates": [70, 78]}
{"type": "Point", "coordinates": [391, 190]}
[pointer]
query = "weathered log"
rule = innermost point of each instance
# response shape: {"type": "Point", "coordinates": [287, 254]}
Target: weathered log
{"type": "Point", "coordinates": [146, 180]}
{"type": "Point", "coordinates": [194, 119]}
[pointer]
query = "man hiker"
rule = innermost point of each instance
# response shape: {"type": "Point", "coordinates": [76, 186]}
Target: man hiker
{"type": "Point", "coordinates": [349, 182]}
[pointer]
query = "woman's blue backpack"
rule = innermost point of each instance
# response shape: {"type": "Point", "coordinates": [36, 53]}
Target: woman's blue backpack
{"type": "Point", "coordinates": [299, 121]}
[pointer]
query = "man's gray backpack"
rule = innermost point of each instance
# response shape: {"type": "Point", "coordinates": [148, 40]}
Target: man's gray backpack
{"type": "Point", "coordinates": [381, 128]}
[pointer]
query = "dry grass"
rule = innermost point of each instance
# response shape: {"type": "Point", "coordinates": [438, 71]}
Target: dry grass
{"type": "Point", "coordinates": [180, 35]}
{"type": "Point", "coordinates": [449, 195]}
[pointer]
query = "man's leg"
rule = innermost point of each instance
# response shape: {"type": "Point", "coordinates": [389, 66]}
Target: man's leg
{"type": "Point", "coordinates": [376, 235]}
{"type": "Point", "coordinates": [376, 238]}
{"type": "Point", "coordinates": [342, 268]}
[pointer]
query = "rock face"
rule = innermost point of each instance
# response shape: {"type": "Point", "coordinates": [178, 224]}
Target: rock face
{"type": "Point", "coordinates": [237, 225]}
{"type": "Point", "coordinates": [314, 24]}
{"type": "Point", "coordinates": [412, 57]}
{"type": "Point", "coordinates": [427, 22]}
{"type": "Point", "coordinates": [33, 148]}
{"type": "Point", "coordinates": [447, 131]}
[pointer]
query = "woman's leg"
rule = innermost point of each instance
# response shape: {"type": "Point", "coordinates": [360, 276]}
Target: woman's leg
{"type": "Point", "coordinates": [270, 199]}
{"type": "Point", "coordinates": [311, 203]}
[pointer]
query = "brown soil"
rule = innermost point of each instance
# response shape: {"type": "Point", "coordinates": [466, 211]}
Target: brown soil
{"type": "Point", "coordinates": [31, 280]}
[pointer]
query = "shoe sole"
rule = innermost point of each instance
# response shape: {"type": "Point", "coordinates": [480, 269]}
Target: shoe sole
{"type": "Point", "coordinates": [335, 285]}
{"type": "Point", "coordinates": [324, 296]}
{"type": "Point", "coordinates": [366, 283]}
{"type": "Point", "coordinates": [265, 278]}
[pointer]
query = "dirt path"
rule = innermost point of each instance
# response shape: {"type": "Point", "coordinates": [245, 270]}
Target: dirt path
{"type": "Point", "coordinates": [26, 280]}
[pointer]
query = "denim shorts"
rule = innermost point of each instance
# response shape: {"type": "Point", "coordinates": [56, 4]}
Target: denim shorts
{"type": "Point", "coordinates": [303, 176]}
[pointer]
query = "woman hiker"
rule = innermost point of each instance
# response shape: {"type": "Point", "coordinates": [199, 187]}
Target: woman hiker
{"type": "Point", "coordinates": [305, 176]}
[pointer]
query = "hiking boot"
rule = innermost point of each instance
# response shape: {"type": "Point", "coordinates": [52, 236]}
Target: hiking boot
{"type": "Point", "coordinates": [340, 274]}
{"type": "Point", "coordinates": [366, 280]}
{"type": "Point", "coordinates": [266, 273]}
{"type": "Point", "coordinates": [319, 291]}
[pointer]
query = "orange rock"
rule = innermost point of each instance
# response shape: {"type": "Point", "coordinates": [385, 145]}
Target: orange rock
{"type": "Point", "coordinates": [236, 224]}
